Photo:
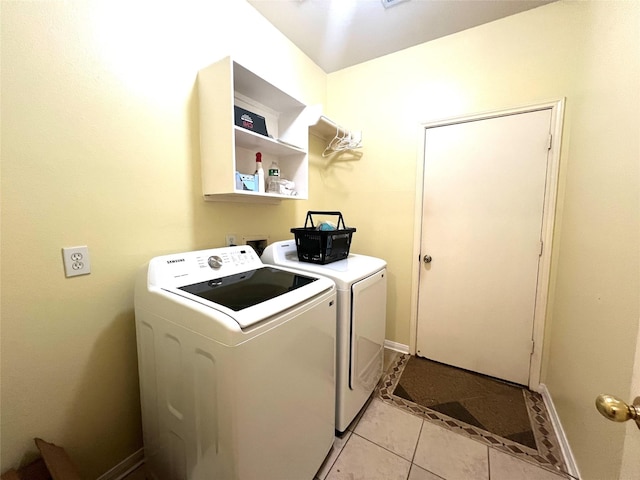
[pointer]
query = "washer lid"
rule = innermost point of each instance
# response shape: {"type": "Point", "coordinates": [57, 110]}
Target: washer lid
{"type": "Point", "coordinates": [255, 295]}
{"type": "Point", "coordinates": [233, 281]}
{"type": "Point", "coordinates": [344, 272]}
{"type": "Point", "coordinates": [246, 289]}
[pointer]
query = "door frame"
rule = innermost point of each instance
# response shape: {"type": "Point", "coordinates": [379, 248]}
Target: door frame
{"type": "Point", "coordinates": [548, 221]}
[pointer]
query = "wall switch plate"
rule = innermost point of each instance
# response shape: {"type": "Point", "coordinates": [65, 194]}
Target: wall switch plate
{"type": "Point", "coordinates": [76, 261]}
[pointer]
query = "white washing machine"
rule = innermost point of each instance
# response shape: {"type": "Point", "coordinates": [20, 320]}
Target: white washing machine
{"type": "Point", "coordinates": [362, 302]}
{"type": "Point", "coordinates": [237, 367]}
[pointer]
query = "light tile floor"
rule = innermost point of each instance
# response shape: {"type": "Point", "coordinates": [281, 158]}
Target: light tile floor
{"type": "Point", "coordinates": [387, 443]}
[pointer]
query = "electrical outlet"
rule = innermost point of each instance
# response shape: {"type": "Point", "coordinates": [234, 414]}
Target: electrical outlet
{"type": "Point", "coordinates": [230, 238]}
{"type": "Point", "coordinates": [76, 261]}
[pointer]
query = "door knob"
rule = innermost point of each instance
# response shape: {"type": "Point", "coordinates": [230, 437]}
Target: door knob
{"type": "Point", "coordinates": [427, 259]}
{"type": "Point", "coordinates": [616, 410]}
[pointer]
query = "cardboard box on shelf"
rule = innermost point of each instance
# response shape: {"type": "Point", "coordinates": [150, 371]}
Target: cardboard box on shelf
{"type": "Point", "coordinates": [250, 121]}
{"type": "Point", "coordinates": [246, 182]}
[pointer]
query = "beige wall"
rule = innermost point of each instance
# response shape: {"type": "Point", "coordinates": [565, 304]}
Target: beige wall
{"type": "Point", "coordinates": [588, 52]}
{"type": "Point", "coordinates": [100, 147]}
{"type": "Point", "coordinates": [596, 302]}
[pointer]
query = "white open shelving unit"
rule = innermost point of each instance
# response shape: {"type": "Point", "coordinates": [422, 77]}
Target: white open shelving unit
{"type": "Point", "coordinates": [226, 148]}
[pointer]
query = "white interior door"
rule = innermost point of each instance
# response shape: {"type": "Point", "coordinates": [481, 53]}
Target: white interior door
{"type": "Point", "coordinates": [483, 202]}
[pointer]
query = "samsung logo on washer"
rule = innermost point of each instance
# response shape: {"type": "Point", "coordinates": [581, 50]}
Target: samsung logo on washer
{"type": "Point", "coordinates": [176, 260]}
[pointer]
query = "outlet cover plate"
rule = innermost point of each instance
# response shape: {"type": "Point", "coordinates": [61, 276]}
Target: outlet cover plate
{"type": "Point", "coordinates": [76, 261]}
{"type": "Point", "coordinates": [230, 239]}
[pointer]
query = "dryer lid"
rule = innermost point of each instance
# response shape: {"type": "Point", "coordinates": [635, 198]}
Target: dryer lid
{"type": "Point", "coordinates": [343, 272]}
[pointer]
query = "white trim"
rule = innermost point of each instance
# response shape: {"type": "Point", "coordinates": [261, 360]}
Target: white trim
{"type": "Point", "coordinates": [569, 459]}
{"type": "Point", "coordinates": [125, 467]}
{"type": "Point", "coordinates": [548, 221]}
{"type": "Point", "coordinates": [398, 347]}
{"type": "Point", "coordinates": [417, 239]}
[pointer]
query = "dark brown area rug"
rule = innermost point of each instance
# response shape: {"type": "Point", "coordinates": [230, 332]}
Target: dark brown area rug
{"type": "Point", "coordinates": [501, 415]}
{"type": "Point", "coordinates": [484, 402]}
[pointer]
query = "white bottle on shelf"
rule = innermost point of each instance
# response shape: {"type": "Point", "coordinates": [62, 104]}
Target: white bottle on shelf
{"type": "Point", "coordinates": [259, 172]}
{"type": "Point", "coordinates": [273, 175]}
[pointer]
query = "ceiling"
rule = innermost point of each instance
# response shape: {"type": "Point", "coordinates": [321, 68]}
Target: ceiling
{"type": "Point", "coordinates": [337, 34]}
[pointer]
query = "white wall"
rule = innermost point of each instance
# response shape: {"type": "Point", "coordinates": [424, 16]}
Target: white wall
{"type": "Point", "coordinates": [100, 147]}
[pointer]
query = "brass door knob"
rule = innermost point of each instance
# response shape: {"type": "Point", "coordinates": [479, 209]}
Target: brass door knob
{"type": "Point", "coordinates": [617, 410]}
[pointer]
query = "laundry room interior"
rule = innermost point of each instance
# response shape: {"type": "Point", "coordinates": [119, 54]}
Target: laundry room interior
{"type": "Point", "coordinates": [101, 147]}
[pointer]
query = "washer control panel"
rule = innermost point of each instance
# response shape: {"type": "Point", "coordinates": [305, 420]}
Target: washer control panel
{"type": "Point", "coordinates": [215, 261]}
{"type": "Point", "coordinates": [212, 263]}
{"type": "Point", "coordinates": [237, 257]}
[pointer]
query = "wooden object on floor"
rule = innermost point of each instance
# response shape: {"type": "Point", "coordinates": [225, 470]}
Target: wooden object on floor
{"type": "Point", "coordinates": [55, 464]}
{"type": "Point", "coordinates": [58, 461]}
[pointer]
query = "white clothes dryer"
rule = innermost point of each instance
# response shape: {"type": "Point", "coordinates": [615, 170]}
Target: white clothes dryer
{"type": "Point", "coordinates": [237, 367]}
{"type": "Point", "coordinates": [362, 302]}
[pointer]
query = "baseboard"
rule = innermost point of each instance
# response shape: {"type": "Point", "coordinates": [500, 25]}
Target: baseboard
{"type": "Point", "coordinates": [569, 459]}
{"type": "Point", "coordinates": [125, 467]}
{"type": "Point", "coordinates": [398, 347]}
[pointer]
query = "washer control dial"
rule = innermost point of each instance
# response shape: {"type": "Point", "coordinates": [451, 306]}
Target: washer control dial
{"type": "Point", "coordinates": [215, 261]}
